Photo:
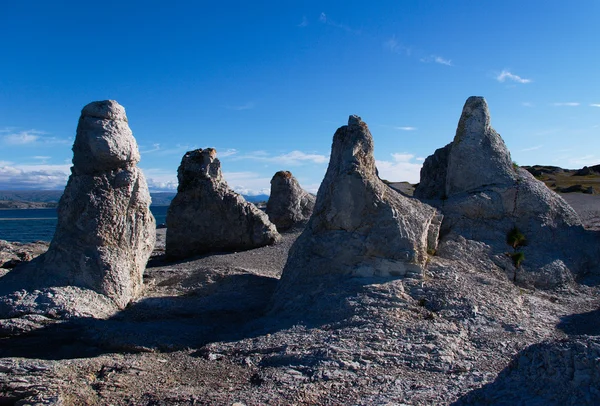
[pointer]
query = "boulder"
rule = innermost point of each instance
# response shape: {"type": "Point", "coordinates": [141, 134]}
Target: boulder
{"type": "Point", "coordinates": [485, 196]}
{"type": "Point", "coordinates": [105, 232]}
{"type": "Point", "coordinates": [288, 203]}
{"type": "Point", "coordinates": [207, 216]}
{"type": "Point", "coordinates": [360, 227]}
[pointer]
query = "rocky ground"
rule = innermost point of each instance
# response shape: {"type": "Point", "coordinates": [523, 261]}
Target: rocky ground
{"type": "Point", "coordinates": [204, 333]}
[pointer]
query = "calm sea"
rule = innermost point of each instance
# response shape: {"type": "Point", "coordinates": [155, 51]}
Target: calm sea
{"type": "Point", "coordinates": [28, 225]}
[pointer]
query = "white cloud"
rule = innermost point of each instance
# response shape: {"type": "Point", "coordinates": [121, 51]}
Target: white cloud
{"type": "Point", "coordinates": [570, 104]}
{"type": "Point", "coordinates": [33, 176]}
{"type": "Point", "coordinates": [293, 158]}
{"type": "Point", "coordinates": [400, 168]}
{"type": "Point", "coordinates": [22, 138]}
{"type": "Point", "coordinates": [248, 183]}
{"type": "Point", "coordinates": [399, 128]}
{"type": "Point", "coordinates": [178, 149]}
{"type": "Point", "coordinates": [581, 161]}
{"type": "Point", "coordinates": [161, 180]}
{"type": "Point", "coordinates": [155, 147]}
{"type": "Point", "coordinates": [532, 148]}
{"type": "Point", "coordinates": [393, 45]}
{"type": "Point", "coordinates": [227, 152]}
{"type": "Point", "coordinates": [157, 186]}
{"type": "Point", "coordinates": [437, 59]}
{"type": "Point", "coordinates": [324, 19]}
{"type": "Point", "coordinates": [30, 137]}
{"type": "Point", "coordinates": [304, 22]}
{"type": "Point", "coordinates": [595, 105]}
{"type": "Point", "coordinates": [504, 75]}
{"type": "Point", "coordinates": [442, 61]}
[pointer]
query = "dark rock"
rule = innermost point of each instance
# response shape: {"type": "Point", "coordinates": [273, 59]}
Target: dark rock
{"type": "Point", "coordinates": [288, 203]}
{"type": "Point", "coordinates": [433, 175]}
{"type": "Point", "coordinates": [207, 216]}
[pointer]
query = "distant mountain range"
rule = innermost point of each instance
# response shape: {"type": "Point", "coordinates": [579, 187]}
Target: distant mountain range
{"type": "Point", "coordinates": [49, 198]}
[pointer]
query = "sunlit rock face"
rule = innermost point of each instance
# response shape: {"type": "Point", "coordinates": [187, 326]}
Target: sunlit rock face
{"type": "Point", "coordinates": [105, 232]}
{"type": "Point", "coordinates": [207, 216]}
{"type": "Point", "coordinates": [483, 195]}
{"type": "Point", "coordinates": [360, 227]}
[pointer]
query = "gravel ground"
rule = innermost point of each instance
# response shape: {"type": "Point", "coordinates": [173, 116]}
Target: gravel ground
{"type": "Point", "coordinates": [588, 208]}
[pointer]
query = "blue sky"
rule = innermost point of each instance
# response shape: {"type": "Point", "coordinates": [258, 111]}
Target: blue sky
{"type": "Point", "coordinates": [268, 83]}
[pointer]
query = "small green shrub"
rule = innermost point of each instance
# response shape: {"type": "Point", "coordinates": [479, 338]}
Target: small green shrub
{"type": "Point", "coordinates": [516, 239]}
{"type": "Point", "coordinates": [517, 258]}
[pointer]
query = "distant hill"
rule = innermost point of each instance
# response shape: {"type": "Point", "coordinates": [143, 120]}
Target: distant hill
{"type": "Point", "coordinates": [37, 196]}
{"type": "Point", "coordinates": [584, 180]}
{"type": "Point", "coordinates": [49, 198]}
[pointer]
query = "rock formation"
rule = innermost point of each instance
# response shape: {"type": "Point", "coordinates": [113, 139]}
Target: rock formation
{"type": "Point", "coordinates": [483, 196]}
{"type": "Point", "coordinates": [206, 215]}
{"type": "Point", "coordinates": [288, 203]}
{"type": "Point", "coordinates": [105, 232]}
{"type": "Point", "coordinates": [360, 226]}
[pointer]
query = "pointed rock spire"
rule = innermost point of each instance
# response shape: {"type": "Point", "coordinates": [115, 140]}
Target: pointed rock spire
{"type": "Point", "coordinates": [105, 232]}
{"type": "Point", "coordinates": [360, 226]}
{"type": "Point", "coordinates": [478, 156]}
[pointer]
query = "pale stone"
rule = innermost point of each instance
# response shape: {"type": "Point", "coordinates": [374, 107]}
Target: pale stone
{"type": "Point", "coordinates": [105, 232]}
{"type": "Point", "coordinates": [360, 226]}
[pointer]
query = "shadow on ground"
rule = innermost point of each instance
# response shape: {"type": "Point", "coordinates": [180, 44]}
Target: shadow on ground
{"type": "Point", "coordinates": [581, 324]}
{"type": "Point", "coordinates": [231, 308]}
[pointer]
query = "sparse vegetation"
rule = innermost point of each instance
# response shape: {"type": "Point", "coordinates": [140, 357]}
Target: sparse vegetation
{"type": "Point", "coordinates": [516, 239]}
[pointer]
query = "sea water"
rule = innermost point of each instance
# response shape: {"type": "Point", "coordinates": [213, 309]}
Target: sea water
{"type": "Point", "coordinates": [28, 225]}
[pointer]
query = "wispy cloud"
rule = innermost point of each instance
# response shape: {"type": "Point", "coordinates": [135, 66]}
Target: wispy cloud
{"type": "Point", "coordinates": [532, 148]}
{"type": "Point", "coordinates": [395, 46]}
{"type": "Point", "coordinates": [506, 75]}
{"type": "Point", "coordinates": [41, 176]}
{"type": "Point", "coordinates": [325, 19]}
{"type": "Point", "coordinates": [155, 147]}
{"type": "Point", "coordinates": [22, 137]}
{"type": "Point", "coordinates": [569, 104]}
{"type": "Point", "coordinates": [304, 22]}
{"type": "Point", "coordinates": [246, 106]}
{"type": "Point", "coordinates": [437, 59]}
{"type": "Point", "coordinates": [399, 128]}
{"type": "Point", "coordinates": [400, 168]}
{"type": "Point", "coordinates": [581, 161]}
{"type": "Point", "coordinates": [595, 105]}
{"type": "Point", "coordinates": [527, 104]}
{"type": "Point", "coordinates": [160, 179]}
{"type": "Point", "coordinates": [293, 158]}
{"type": "Point", "coordinates": [227, 152]}
{"type": "Point", "coordinates": [30, 137]}
{"type": "Point", "coordinates": [248, 183]}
